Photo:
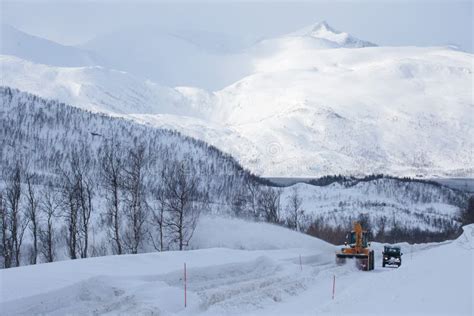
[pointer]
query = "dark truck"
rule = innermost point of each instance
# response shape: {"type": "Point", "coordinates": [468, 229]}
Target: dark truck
{"type": "Point", "coordinates": [391, 255]}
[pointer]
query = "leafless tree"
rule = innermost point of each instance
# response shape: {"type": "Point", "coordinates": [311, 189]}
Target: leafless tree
{"type": "Point", "coordinates": [181, 194]}
{"type": "Point", "coordinates": [381, 225]}
{"type": "Point", "coordinates": [136, 208]}
{"type": "Point", "coordinates": [269, 204]}
{"type": "Point", "coordinates": [85, 191]}
{"type": "Point", "coordinates": [33, 214]}
{"type": "Point", "coordinates": [158, 219]}
{"type": "Point", "coordinates": [49, 207]}
{"type": "Point", "coordinates": [253, 193]}
{"type": "Point", "coordinates": [112, 176]}
{"type": "Point", "coordinates": [70, 210]}
{"type": "Point", "coordinates": [16, 222]}
{"type": "Point", "coordinates": [295, 210]}
{"type": "Point", "coordinates": [7, 248]}
{"type": "Point", "coordinates": [77, 195]}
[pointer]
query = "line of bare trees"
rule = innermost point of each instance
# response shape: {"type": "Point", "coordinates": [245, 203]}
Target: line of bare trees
{"type": "Point", "coordinates": [26, 206]}
{"type": "Point", "coordinates": [14, 221]}
{"type": "Point", "coordinates": [136, 205]}
{"type": "Point", "coordinates": [265, 203]}
{"type": "Point", "coordinates": [142, 206]}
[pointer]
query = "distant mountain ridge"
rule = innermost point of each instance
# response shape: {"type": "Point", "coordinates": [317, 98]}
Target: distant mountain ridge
{"type": "Point", "coordinates": [17, 43]}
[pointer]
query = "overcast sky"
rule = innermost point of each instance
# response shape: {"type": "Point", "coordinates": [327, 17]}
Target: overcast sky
{"type": "Point", "coordinates": [383, 22]}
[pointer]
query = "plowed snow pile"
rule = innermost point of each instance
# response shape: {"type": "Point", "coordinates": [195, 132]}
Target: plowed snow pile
{"type": "Point", "coordinates": [262, 275]}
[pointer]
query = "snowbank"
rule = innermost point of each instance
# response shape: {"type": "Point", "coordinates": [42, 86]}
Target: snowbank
{"type": "Point", "coordinates": [435, 279]}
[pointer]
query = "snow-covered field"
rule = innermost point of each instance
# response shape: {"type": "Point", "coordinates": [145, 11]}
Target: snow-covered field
{"type": "Point", "coordinates": [255, 271]}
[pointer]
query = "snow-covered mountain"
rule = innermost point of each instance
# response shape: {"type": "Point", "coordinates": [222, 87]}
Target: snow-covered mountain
{"type": "Point", "coordinates": [94, 88]}
{"type": "Point", "coordinates": [312, 37]}
{"type": "Point", "coordinates": [318, 102]}
{"type": "Point", "coordinates": [392, 110]}
{"type": "Point", "coordinates": [48, 133]}
{"type": "Point", "coordinates": [324, 31]}
{"type": "Point", "coordinates": [43, 51]}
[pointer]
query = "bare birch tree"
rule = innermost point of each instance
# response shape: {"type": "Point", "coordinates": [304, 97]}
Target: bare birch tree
{"type": "Point", "coordinates": [136, 208]}
{"type": "Point", "coordinates": [269, 204]}
{"type": "Point", "coordinates": [49, 206]}
{"type": "Point", "coordinates": [33, 215]}
{"type": "Point", "coordinates": [112, 177]}
{"type": "Point", "coordinates": [295, 210]}
{"type": "Point", "coordinates": [16, 222]}
{"type": "Point", "coordinates": [181, 194]}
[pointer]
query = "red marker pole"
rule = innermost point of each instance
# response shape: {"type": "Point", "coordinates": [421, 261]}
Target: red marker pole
{"type": "Point", "coordinates": [333, 286]}
{"type": "Point", "coordinates": [185, 284]}
{"type": "Point", "coordinates": [301, 265]}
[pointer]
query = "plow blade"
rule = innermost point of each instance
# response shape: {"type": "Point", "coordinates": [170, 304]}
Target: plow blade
{"type": "Point", "coordinates": [363, 262]}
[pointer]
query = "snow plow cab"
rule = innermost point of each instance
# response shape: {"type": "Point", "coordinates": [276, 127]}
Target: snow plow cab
{"type": "Point", "coordinates": [357, 247]}
{"type": "Point", "coordinates": [391, 255]}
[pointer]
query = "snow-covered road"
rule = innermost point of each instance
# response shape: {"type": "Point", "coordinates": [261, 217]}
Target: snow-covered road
{"type": "Point", "coordinates": [433, 279]}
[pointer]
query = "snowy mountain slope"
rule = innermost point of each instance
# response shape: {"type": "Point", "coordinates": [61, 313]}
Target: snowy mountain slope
{"type": "Point", "coordinates": [17, 43]}
{"type": "Point", "coordinates": [94, 88]}
{"type": "Point", "coordinates": [322, 30]}
{"type": "Point", "coordinates": [117, 93]}
{"type": "Point", "coordinates": [48, 132]}
{"type": "Point", "coordinates": [258, 282]}
{"type": "Point", "coordinates": [305, 111]}
{"type": "Point", "coordinates": [386, 204]}
{"type": "Point", "coordinates": [313, 37]}
{"type": "Point", "coordinates": [356, 111]}
{"type": "Point", "coordinates": [45, 136]}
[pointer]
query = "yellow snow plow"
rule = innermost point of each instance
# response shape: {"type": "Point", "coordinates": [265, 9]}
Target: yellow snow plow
{"type": "Point", "coordinates": [357, 247]}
